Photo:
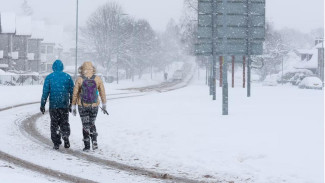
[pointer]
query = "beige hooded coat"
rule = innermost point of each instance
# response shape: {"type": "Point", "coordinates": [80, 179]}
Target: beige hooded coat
{"type": "Point", "coordinates": [88, 70]}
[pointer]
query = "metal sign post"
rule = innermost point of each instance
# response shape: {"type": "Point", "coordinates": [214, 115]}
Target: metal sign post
{"type": "Point", "coordinates": [230, 28]}
{"type": "Point", "coordinates": [225, 85]}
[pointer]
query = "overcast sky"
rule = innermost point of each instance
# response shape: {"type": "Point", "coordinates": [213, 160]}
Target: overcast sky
{"type": "Point", "coordinates": [303, 15]}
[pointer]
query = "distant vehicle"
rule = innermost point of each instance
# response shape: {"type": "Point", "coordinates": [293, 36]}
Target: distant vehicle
{"type": "Point", "coordinates": [311, 83]}
{"type": "Point", "coordinates": [178, 75]}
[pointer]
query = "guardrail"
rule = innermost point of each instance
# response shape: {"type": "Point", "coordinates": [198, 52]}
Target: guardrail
{"type": "Point", "coordinates": [20, 80]}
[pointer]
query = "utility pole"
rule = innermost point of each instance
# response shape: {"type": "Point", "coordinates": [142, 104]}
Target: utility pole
{"type": "Point", "coordinates": [76, 63]}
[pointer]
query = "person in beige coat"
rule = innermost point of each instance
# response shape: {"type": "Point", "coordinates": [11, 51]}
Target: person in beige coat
{"type": "Point", "coordinates": [86, 93]}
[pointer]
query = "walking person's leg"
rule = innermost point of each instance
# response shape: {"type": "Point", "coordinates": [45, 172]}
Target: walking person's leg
{"type": "Point", "coordinates": [93, 131]}
{"type": "Point", "coordinates": [84, 115]}
{"type": "Point", "coordinates": [55, 131]}
{"type": "Point", "coordinates": [65, 126]}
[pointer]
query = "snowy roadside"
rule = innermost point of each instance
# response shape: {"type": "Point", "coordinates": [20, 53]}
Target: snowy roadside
{"type": "Point", "coordinates": [15, 95]}
{"type": "Point", "coordinates": [29, 150]}
{"type": "Point", "coordinates": [14, 174]}
{"type": "Point", "coordinates": [277, 135]}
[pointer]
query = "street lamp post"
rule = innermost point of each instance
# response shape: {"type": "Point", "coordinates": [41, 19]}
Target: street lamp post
{"type": "Point", "coordinates": [76, 63]}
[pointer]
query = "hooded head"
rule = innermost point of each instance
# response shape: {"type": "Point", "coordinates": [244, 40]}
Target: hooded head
{"type": "Point", "coordinates": [57, 66]}
{"type": "Point", "coordinates": [87, 69]}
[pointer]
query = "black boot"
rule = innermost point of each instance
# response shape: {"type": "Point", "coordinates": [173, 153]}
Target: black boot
{"type": "Point", "coordinates": [66, 142]}
{"type": "Point", "coordinates": [56, 146]}
{"type": "Point", "coordinates": [87, 145]}
{"type": "Point", "coordinates": [95, 145]}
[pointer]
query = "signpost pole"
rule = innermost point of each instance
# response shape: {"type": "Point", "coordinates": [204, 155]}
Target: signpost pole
{"type": "Point", "coordinates": [210, 75]}
{"type": "Point", "coordinates": [233, 71]}
{"type": "Point", "coordinates": [249, 76]}
{"type": "Point", "coordinates": [214, 56]}
{"type": "Point", "coordinates": [220, 64]}
{"type": "Point", "coordinates": [244, 72]}
{"type": "Point", "coordinates": [249, 39]}
{"type": "Point", "coordinates": [225, 61]}
{"type": "Point", "coordinates": [225, 86]}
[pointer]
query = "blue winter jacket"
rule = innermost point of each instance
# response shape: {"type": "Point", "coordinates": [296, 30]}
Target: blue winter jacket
{"type": "Point", "coordinates": [59, 86]}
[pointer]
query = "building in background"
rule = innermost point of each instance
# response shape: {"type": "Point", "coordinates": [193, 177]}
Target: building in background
{"type": "Point", "coordinates": [20, 43]}
{"type": "Point", "coordinates": [28, 46]}
{"type": "Point", "coordinates": [7, 31]}
{"type": "Point", "coordinates": [312, 59]}
{"type": "Point", "coordinates": [51, 47]}
{"type": "Point", "coordinates": [34, 46]}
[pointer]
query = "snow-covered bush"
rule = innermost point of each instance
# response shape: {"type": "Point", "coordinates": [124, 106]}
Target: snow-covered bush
{"type": "Point", "coordinates": [294, 76]}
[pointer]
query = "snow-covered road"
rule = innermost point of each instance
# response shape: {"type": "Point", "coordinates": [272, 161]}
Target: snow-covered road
{"type": "Point", "coordinates": [275, 136]}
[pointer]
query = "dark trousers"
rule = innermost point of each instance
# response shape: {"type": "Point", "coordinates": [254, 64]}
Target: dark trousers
{"type": "Point", "coordinates": [59, 124]}
{"type": "Point", "coordinates": [88, 117]}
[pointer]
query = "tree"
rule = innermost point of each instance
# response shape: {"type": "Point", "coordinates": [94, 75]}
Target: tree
{"type": "Point", "coordinates": [145, 46]}
{"type": "Point", "coordinates": [102, 32]}
{"type": "Point", "coordinates": [188, 26]}
{"type": "Point", "coordinates": [26, 9]}
{"type": "Point", "coordinates": [274, 51]}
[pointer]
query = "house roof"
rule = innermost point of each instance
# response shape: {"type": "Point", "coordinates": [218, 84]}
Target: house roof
{"type": "Point", "coordinates": [320, 45]}
{"type": "Point", "coordinates": [8, 22]}
{"type": "Point", "coordinates": [310, 64]}
{"type": "Point", "coordinates": [23, 26]}
{"type": "Point", "coordinates": [305, 51]}
{"type": "Point", "coordinates": [38, 30]}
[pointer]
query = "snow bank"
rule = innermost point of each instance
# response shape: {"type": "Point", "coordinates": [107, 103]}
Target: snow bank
{"type": "Point", "coordinates": [8, 22]}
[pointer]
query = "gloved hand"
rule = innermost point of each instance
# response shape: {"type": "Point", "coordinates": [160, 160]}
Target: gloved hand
{"type": "Point", "coordinates": [74, 110]}
{"type": "Point", "coordinates": [104, 109]}
{"type": "Point", "coordinates": [70, 108]}
{"type": "Point", "coordinates": [42, 110]}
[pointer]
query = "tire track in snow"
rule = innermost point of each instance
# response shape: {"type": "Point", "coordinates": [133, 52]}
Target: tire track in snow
{"type": "Point", "coordinates": [28, 126]}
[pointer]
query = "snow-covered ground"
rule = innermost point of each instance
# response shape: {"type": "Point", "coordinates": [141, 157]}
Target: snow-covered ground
{"type": "Point", "coordinates": [274, 136]}
{"type": "Point", "coordinates": [15, 174]}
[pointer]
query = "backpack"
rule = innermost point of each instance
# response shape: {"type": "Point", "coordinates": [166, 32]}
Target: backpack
{"type": "Point", "coordinates": [89, 94]}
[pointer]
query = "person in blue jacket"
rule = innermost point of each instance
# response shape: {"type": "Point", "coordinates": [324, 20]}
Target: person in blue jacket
{"type": "Point", "coordinates": [59, 86]}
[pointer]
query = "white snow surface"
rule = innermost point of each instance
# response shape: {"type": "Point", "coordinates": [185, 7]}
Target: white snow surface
{"type": "Point", "coordinates": [8, 22]}
{"type": "Point", "coordinates": [14, 174]}
{"type": "Point", "coordinates": [274, 136]}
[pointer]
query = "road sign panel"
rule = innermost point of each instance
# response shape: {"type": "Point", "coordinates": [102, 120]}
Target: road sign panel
{"type": "Point", "coordinates": [233, 47]}
{"type": "Point", "coordinates": [238, 27]}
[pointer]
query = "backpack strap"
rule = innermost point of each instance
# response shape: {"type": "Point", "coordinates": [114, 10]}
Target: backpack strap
{"type": "Point", "coordinates": [92, 77]}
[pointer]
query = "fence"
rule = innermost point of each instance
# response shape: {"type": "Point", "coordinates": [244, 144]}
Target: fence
{"type": "Point", "coordinates": [19, 80]}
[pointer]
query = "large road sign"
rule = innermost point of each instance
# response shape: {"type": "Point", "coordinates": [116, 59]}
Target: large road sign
{"type": "Point", "coordinates": [239, 27]}
{"type": "Point", "coordinates": [228, 28]}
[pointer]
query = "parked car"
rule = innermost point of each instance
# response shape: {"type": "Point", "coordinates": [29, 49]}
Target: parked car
{"type": "Point", "coordinates": [311, 83]}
